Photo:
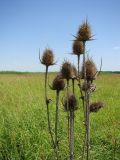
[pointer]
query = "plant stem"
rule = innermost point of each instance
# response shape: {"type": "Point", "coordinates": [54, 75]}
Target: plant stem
{"type": "Point", "coordinates": [84, 70]}
{"type": "Point", "coordinates": [56, 120]}
{"type": "Point", "coordinates": [78, 66]}
{"type": "Point", "coordinates": [79, 83]}
{"type": "Point", "coordinates": [47, 106]}
{"type": "Point", "coordinates": [86, 102]}
{"type": "Point", "coordinates": [71, 135]}
{"type": "Point", "coordinates": [73, 85]}
{"type": "Point", "coordinates": [88, 126]}
{"type": "Point", "coordinates": [84, 144]}
{"type": "Point", "coordinates": [68, 107]}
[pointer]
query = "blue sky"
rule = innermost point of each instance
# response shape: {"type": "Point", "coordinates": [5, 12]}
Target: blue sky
{"type": "Point", "coordinates": [27, 25]}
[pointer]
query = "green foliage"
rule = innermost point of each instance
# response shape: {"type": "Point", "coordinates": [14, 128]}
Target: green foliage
{"type": "Point", "coordinates": [23, 122]}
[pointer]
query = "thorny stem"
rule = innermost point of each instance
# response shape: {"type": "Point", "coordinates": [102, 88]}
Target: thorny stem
{"type": "Point", "coordinates": [82, 96]}
{"type": "Point", "coordinates": [88, 126]}
{"type": "Point", "coordinates": [79, 84]}
{"type": "Point", "coordinates": [86, 105]}
{"type": "Point", "coordinates": [73, 85]}
{"type": "Point", "coordinates": [87, 133]}
{"type": "Point", "coordinates": [78, 66]}
{"type": "Point", "coordinates": [71, 142]}
{"type": "Point", "coordinates": [84, 143]}
{"type": "Point", "coordinates": [68, 107]}
{"type": "Point", "coordinates": [47, 106]}
{"type": "Point", "coordinates": [56, 120]}
{"type": "Point", "coordinates": [84, 70]}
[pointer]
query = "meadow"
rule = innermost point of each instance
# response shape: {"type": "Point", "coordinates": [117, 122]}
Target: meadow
{"type": "Point", "coordinates": [23, 123]}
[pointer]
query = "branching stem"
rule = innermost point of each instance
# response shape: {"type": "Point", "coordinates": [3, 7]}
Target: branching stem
{"type": "Point", "coordinates": [47, 106]}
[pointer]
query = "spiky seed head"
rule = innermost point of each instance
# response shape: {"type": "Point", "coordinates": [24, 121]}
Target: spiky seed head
{"type": "Point", "coordinates": [95, 106]}
{"type": "Point", "coordinates": [84, 32]}
{"type": "Point", "coordinates": [58, 83]}
{"type": "Point", "coordinates": [88, 86]}
{"type": "Point", "coordinates": [48, 57]}
{"type": "Point", "coordinates": [66, 70]}
{"type": "Point", "coordinates": [91, 70]}
{"type": "Point", "coordinates": [74, 72]}
{"type": "Point", "coordinates": [77, 47]}
{"type": "Point", "coordinates": [72, 103]}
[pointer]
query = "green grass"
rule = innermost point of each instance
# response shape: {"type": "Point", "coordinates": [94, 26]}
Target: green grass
{"type": "Point", "coordinates": [23, 123]}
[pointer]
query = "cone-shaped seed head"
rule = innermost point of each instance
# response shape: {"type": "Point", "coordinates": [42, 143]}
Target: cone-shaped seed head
{"type": "Point", "coordinates": [84, 32]}
{"type": "Point", "coordinates": [77, 47]}
{"type": "Point", "coordinates": [86, 86]}
{"type": "Point", "coordinates": [72, 103]}
{"type": "Point", "coordinates": [90, 70]}
{"type": "Point", "coordinates": [48, 57]}
{"type": "Point", "coordinates": [95, 106]}
{"type": "Point", "coordinates": [66, 70]}
{"type": "Point", "coordinates": [58, 83]}
{"type": "Point", "coordinates": [74, 72]}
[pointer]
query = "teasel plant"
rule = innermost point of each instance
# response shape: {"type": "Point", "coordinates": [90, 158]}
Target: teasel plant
{"type": "Point", "coordinates": [66, 73]}
{"type": "Point", "coordinates": [77, 50]}
{"type": "Point", "coordinates": [89, 87]}
{"type": "Point", "coordinates": [84, 34]}
{"type": "Point", "coordinates": [96, 106]}
{"type": "Point", "coordinates": [58, 85]}
{"type": "Point", "coordinates": [47, 59]}
{"type": "Point", "coordinates": [70, 105]}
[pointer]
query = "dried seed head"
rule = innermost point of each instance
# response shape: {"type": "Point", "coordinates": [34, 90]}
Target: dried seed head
{"type": "Point", "coordinates": [74, 72]}
{"type": "Point", "coordinates": [84, 32]}
{"type": "Point", "coordinates": [72, 103]}
{"type": "Point", "coordinates": [66, 70]}
{"type": "Point", "coordinates": [48, 57]}
{"type": "Point", "coordinates": [88, 86]}
{"type": "Point", "coordinates": [95, 106]}
{"type": "Point", "coordinates": [77, 47]}
{"type": "Point", "coordinates": [58, 83]}
{"type": "Point", "coordinates": [91, 70]}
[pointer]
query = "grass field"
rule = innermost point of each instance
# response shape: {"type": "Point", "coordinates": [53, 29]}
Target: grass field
{"type": "Point", "coordinates": [23, 123]}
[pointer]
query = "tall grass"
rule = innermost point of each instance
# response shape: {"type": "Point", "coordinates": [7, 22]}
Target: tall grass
{"type": "Point", "coordinates": [23, 121]}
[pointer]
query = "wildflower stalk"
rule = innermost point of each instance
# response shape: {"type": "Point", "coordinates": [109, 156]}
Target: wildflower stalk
{"type": "Point", "coordinates": [79, 83]}
{"type": "Point", "coordinates": [68, 116]}
{"type": "Point", "coordinates": [88, 125]}
{"type": "Point", "coordinates": [73, 85]}
{"type": "Point", "coordinates": [47, 106]}
{"type": "Point", "coordinates": [56, 120]}
{"type": "Point", "coordinates": [86, 105]}
{"type": "Point", "coordinates": [71, 135]}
